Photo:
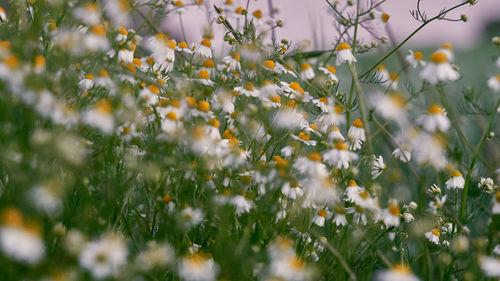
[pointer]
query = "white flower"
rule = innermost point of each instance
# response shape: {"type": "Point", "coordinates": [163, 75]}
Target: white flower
{"type": "Point", "coordinates": [150, 94]}
{"type": "Point", "coordinates": [204, 48]}
{"type": "Point", "coordinates": [233, 61]}
{"type": "Point", "coordinates": [311, 165]}
{"type": "Point", "coordinates": [428, 149]}
{"type": "Point", "coordinates": [356, 135]}
{"type": "Point", "coordinates": [198, 267]}
{"type": "Point", "coordinates": [415, 58]}
{"type": "Point", "coordinates": [47, 198]}
{"type": "Point", "coordinates": [295, 91]}
{"type": "Point", "coordinates": [104, 257]}
{"type": "Point", "coordinates": [20, 241]}
{"type": "Point", "coordinates": [126, 56]}
{"type": "Point", "coordinates": [344, 54]}
{"type": "Point", "coordinates": [490, 266]}
{"type": "Point", "coordinates": [88, 14]}
{"type": "Point", "coordinates": [330, 71]}
{"type": "Point", "coordinates": [496, 203]}
{"type": "Point", "coordinates": [351, 190]}
{"type": "Point", "coordinates": [3, 15]}
{"type": "Point", "coordinates": [248, 90]}
{"type": "Point", "coordinates": [487, 185]}
{"type": "Point", "coordinates": [494, 83]}
{"type": "Point", "coordinates": [400, 272]}
{"type": "Point", "coordinates": [378, 166]}
{"type": "Point", "coordinates": [391, 215]}
{"type": "Point", "coordinates": [335, 135]}
{"type": "Point", "coordinates": [434, 120]}
{"type": "Point", "coordinates": [340, 218]}
{"type": "Point", "coordinates": [403, 153]}
{"type": "Point", "coordinates": [204, 78]}
{"type": "Point", "coordinates": [320, 217]}
{"type": "Point", "coordinates": [118, 11]}
{"type": "Point", "coordinates": [87, 82]}
{"type": "Point", "coordinates": [156, 255]}
{"type": "Point", "coordinates": [437, 203]}
{"type": "Point", "coordinates": [439, 69]}
{"type": "Point", "coordinates": [433, 236]}
{"type": "Point", "coordinates": [333, 117]}
{"type": "Point", "coordinates": [339, 157]}
{"type": "Point", "coordinates": [390, 106]}
{"type": "Point", "coordinates": [447, 50]}
{"type": "Point", "coordinates": [287, 117]}
{"type": "Point", "coordinates": [306, 71]}
{"type": "Point", "coordinates": [100, 117]}
{"type": "Point", "coordinates": [242, 204]}
{"type": "Point", "coordinates": [292, 190]}
{"type": "Point", "coordinates": [456, 180]}
{"type": "Point", "coordinates": [191, 217]}
{"type": "Point", "coordinates": [364, 200]}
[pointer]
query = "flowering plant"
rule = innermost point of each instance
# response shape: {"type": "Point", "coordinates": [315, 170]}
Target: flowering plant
{"type": "Point", "coordinates": [128, 155]}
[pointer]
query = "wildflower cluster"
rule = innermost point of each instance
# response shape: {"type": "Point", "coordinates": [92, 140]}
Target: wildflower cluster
{"type": "Point", "coordinates": [126, 154]}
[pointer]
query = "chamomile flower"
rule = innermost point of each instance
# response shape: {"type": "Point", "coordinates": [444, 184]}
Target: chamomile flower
{"type": "Point", "coordinates": [204, 78]}
{"type": "Point", "coordinates": [304, 138]}
{"type": "Point", "coordinates": [306, 71]}
{"type": "Point", "coordinates": [496, 203]}
{"type": "Point", "coordinates": [330, 72]}
{"type": "Point", "coordinates": [287, 117]}
{"type": "Point", "coordinates": [335, 135]}
{"type": "Point", "coordinates": [399, 272]}
{"type": "Point", "coordinates": [490, 266]}
{"type": "Point", "coordinates": [104, 257]}
{"type": "Point", "coordinates": [191, 217]}
{"type": "Point", "coordinates": [364, 200]}
{"type": "Point", "coordinates": [204, 49]}
{"type": "Point", "coordinates": [494, 83]}
{"type": "Point", "coordinates": [292, 190]}
{"type": "Point", "coordinates": [100, 116]}
{"type": "Point", "coordinates": [198, 267]}
{"type": "Point", "coordinates": [434, 120]}
{"type": "Point", "coordinates": [333, 117]}
{"type": "Point", "coordinates": [455, 181]}
{"type": "Point", "coordinates": [415, 59]}
{"type": "Point", "coordinates": [3, 15]}
{"type": "Point", "coordinates": [391, 216]}
{"type": "Point", "coordinates": [344, 54]}
{"type": "Point", "coordinates": [356, 135]}
{"type": "Point", "coordinates": [88, 14]}
{"type": "Point", "coordinates": [391, 106]}
{"type": "Point", "coordinates": [447, 49]}
{"type": "Point", "coordinates": [95, 39]}
{"type": "Point", "coordinates": [248, 90]}
{"type": "Point", "coordinates": [295, 91]}
{"type": "Point", "coordinates": [320, 217]}
{"type": "Point", "coordinates": [392, 82]}
{"type": "Point", "coordinates": [429, 149]}
{"type": "Point", "coordinates": [156, 255]}
{"type": "Point", "coordinates": [311, 165]}
{"type": "Point", "coordinates": [377, 167]}
{"type": "Point", "coordinates": [339, 157]}
{"type": "Point", "coordinates": [433, 236]}
{"type": "Point", "coordinates": [233, 61]}
{"type": "Point", "coordinates": [487, 185]}
{"type": "Point", "coordinates": [118, 11]}
{"type": "Point", "coordinates": [439, 69]}
{"type": "Point", "coordinates": [339, 218]}
{"type": "Point", "coordinates": [184, 48]}
{"type": "Point", "coordinates": [403, 153]}
{"type": "Point", "coordinates": [351, 190]}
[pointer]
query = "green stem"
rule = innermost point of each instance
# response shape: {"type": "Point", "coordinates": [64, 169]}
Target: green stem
{"type": "Point", "coordinates": [473, 162]}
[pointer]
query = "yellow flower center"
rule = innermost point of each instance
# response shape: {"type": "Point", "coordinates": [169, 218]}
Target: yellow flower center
{"type": "Point", "coordinates": [235, 55]}
{"type": "Point", "coordinates": [314, 156]}
{"type": "Point", "coordinates": [214, 123]}
{"type": "Point", "coordinates": [208, 63]}
{"type": "Point", "coordinates": [418, 56]}
{"type": "Point", "coordinates": [12, 217]}
{"type": "Point", "coordinates": [280, 162]}
{"type": "Point", "coordinates": [154, 89]}
{"type": "Point", "coordinates": [257, 14]}
{"type": "Point", "coordinates": [358, 123]}
{"type": "Point", "coordinates": [401, 268]}
{"type": "Point", "coordinates": [39, 61]}
{"type": "Point", "coordinates": [365, 195]}
{"type": "Point", "coordinates": [89, 76]}
{"type": "Point", "coordinates": [296, 263]}
{"type": "Point", "coordinates": [498, 77]}
{"type": "Point", "coordinates": [275, 98]}
{"type": "Point", "coordinates": [206, 43]}
{"type": "Point", "coordinates": [103, 73]}
{"type": "Point", "coordinates": [447, 46]}
{"type": "Point", "coordinates": [322, 213]}
{"type": "Point", "coordinates": [12, 61]}
{"type": "Point", "coordinates": [305, 66]}
{"type": "Point", "coordinates": [435, 109]}
{"type": "Point", "coordinates": [332, 69]}
{"type": "Point", "coordinates": [203, 74]}
{"type": "Point", "coordinates": [104, 107]}
{"type": "Point", "coordinates": [123, 31]}
{"type": "Point", "coordinates": [394, 210]}
{"type": "Point", "coordinates": [455, 173]}
{"type": "Point", "coordinates": [171, 44]}
{"type": "Point", "coordinates": [203, 106]}
{"type": "Point", "coordinates": [172, 116]}
{"type": "Point", "coordinates": [343, 46]}
{"type": "Point", "coordinates": [394, 76]}
{"type": "Point", "coordinates": [178, 4]}
{"type": "Point", "coordinates": [340, 210]}
{"type": "Point", "coordinates": [341, 146]}
{"type": "Point", "coordinates": [497, 197]}
{"type": "Point", "coordinates": [436, 232]}
{"type": "Point", "coordinates": [352, 183]}
{"type": "Point", "coordinates": [269, 64]}
{"type": "Point", "coordinates": [385, 17]}
{"type": "Point", "coordinates": [249, 86]}
{"type": "Point", "coordinates": [397, 99]}
{"type": "Point", "coordinates": [438, 57]}
{"type": "Point", "coordinates": [304, 136]}
{"type": "Point", "coordinates": [296, 87]}
{"type": "Point", "coordinates": [313, 126]}
{"type": "Point", "coordinates": [99, 30]}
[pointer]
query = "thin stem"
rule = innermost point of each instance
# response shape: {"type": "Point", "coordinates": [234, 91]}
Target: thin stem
{"type": "Point", "coordinates": [410, 36]}
{"type": "Point", "coordinates": [349, 101]}
{"type": "Point", "coordinates": [473, 162]}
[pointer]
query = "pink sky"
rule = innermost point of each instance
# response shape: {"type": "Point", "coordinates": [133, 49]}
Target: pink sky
{"type": "Point", "coordinates": [301, 17]}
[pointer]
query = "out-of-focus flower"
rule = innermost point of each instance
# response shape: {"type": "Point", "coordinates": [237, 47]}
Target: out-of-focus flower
{"type": "Point", "coordinates": [104, 257]}
{"type": "Point", "coordinates": [433, 236]}
{"type": "Point", "coordinates": [439, 69]}
{"type": "Point", "coordinates": [399, 272]}
{"type": "Point", "coordinates": [344, 54]}
{"type": "Point", "coordinates": [198, 267]}
{"type": "Point", "coordinates": [415, 59]}
{"type": "Point", "coordinates": [494, 83]}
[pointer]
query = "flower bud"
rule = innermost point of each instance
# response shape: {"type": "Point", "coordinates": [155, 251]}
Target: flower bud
{"type": "Point", "coordinates": [463, 17]}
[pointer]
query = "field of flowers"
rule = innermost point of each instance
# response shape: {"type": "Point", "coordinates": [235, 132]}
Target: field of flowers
{"type": "Point", "coordinates": [128, 155]}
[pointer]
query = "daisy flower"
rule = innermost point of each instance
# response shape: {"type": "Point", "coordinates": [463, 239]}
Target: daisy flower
{"type": "Point", "coordinates": [311, 165]}
{"type": "Point", "coordinates": [87, 82]}
{"type": "Point", "coordinates": [209, 66]}
{"type": "Point", "coordinates": [433, 236]}
{"type": "Point", "coordinates": [101, 117]}
{"type": "Point", "coordinates": [320, 217]}
{"type": "Point", "coordinates": [233, 61]}
{"type": "Point", "coordinates": [344, 54]}
{"type": "Point", "coordinates": [391, 215]}
{"type": "Point", "coordinates": [496, 204]}
{"type": "Point", "coordinates": [95, 39]}
{"type": "Point", "coordinates": [248, 90]}
{"type": "Point", "coordinates": [292, 190]}
{"type": "Point", "coordinates": [402, 153]}
{"type": "Point", "coordinates": [156, 255]}
{"type": "Point", "coordinates": [351, 190]}
{"type": "Point", "coordinates": [3, 15]}
{"type": "Point", "coordinates": [415, 59]}
{"type": "Point", "coordinates": [241, 204]}
{"type": "Point", "coordinates": [447, 49]}
{"type": "Point", "coordinates": [333, 117]}
{"type": "Point", "coordinates": [377, 167]}
{"type": "Point", "coordinates": [356, 135]}
{"type": "Point", "coordinates": [204, 48]}
{"type": "Point", "coordinates": [104, 257]}
{"type": "Point", "coordinates": [340, 219]}
{"type": "Point", "coordinates": [438, 69]}
{"type": "Point", "coordinates": [295, 91]}
{"type": "Point", "coordinates": [364, 200]}
{"type": "Point", "coordinates": [118, 11]}
{"type": "Point", "coordinates": [490, 266]}
{"type": "Point", "coordinates": [391, 106]}
{"type": "Point", "coordinates": [487, 185]}
{"type": "Point", "coordinates": [204, 78]}
{"type": "Point", "coordinates": [456, 180]}
{"type": "Point", "coordinates": [306, 71]}
{"type": "Point", "coordinates": [329, 71]}
{"type": "Point", "coordinates": [183, 47]}
{"type": "Point", "coordinates": [399, 272]}
{"type": "Point", "coordinates": [150, 94]}
{"type": "Point", "coordinates": [287, 117]}
{"type": "Point", "coordinates": [88, 14]}
{"type": "Point", "coordinates": [334, 135]}
{"type": "Point", "coordinates": [339, 157]}
{"type": "Point", "coordinates": [198, 267]}
{"type": "Point", "coordinates": [434, 120]}
{"type": "Point", "coordinates": [494, 83]}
